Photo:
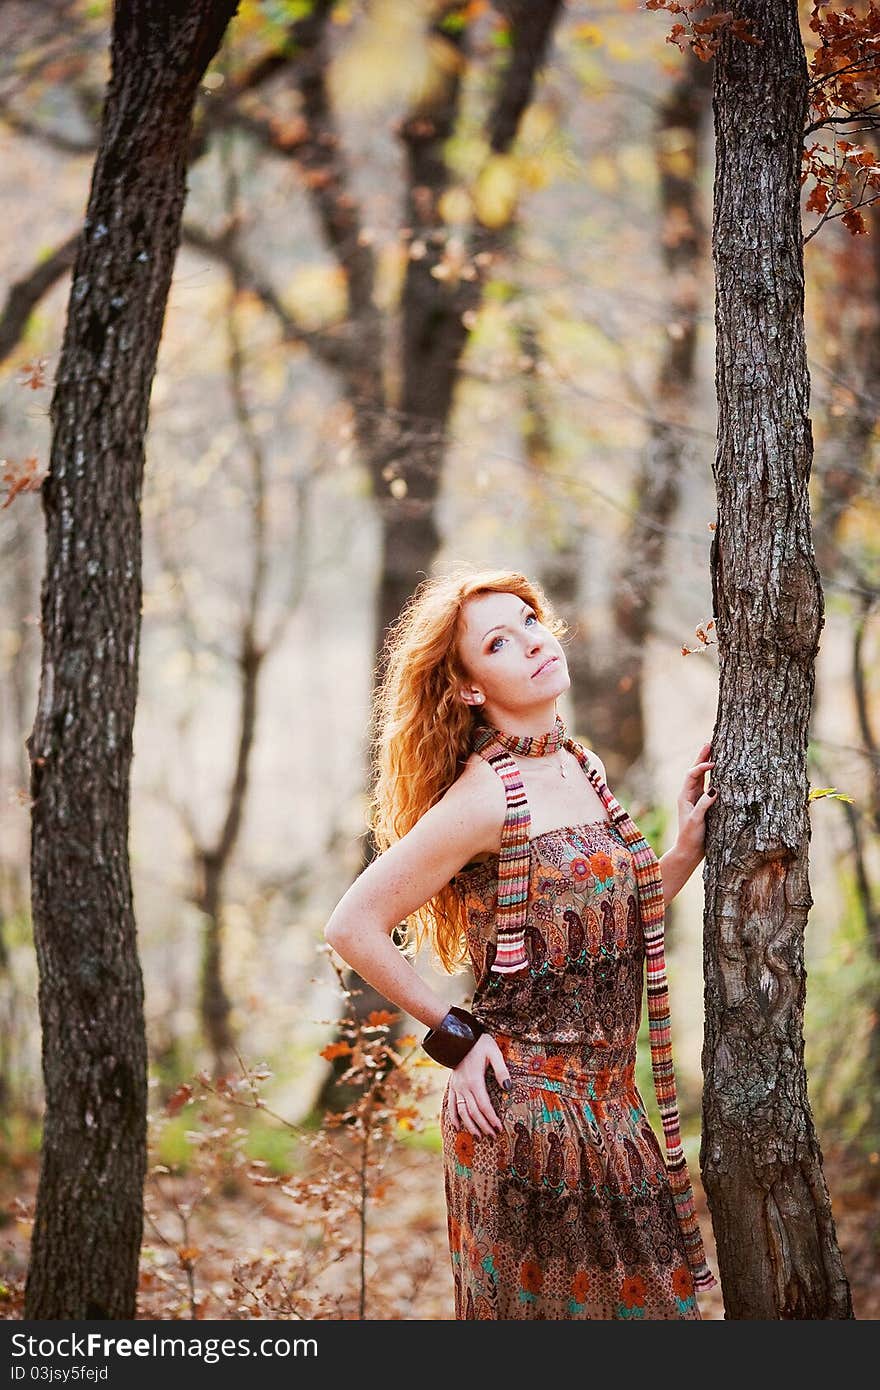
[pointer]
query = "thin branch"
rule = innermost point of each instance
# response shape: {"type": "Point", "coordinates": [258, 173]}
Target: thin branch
{"type": "Point", "coordinates": [829, 216]}
{"type": "Point", "coordinates": [848, 67]}
{"type": "Point", "coordinates": [55, 139]}
{"type": "Point", "coordinates": [224, 250]}
{"type": "Point", "coordinates": [25, 294]}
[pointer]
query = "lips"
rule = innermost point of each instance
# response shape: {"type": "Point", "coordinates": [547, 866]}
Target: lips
{"type": "Point", "coordinates": [551, 661]}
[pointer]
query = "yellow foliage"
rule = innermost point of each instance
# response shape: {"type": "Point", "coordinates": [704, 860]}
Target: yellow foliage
{"type": "Point", "coordinates": [860, 527]}
{"type": "Point", "coordinates": [537, 125]}
{"type": "Point", "coordinates": [603, 173]}
{"type": "Point", "coordinates": [495, 192]}
{"type": "Point", "coordinates": [588, 33]}
{"type": "Point", "coordinates": [677, 152]}
{"type": "Point", "coordinates": [466, 155]}
{"type": "Point", "coordinates": [373, 70]}
{"type": "Point", "coordinates": [533, 171]}
{"type": "Point", "coordinates": [455, 205]}
{"type": "Point", "coordinates": [591, 71]}
{"type": "Point", "coordinates": [318, 294]}
{"type": "Point", "coordinates": [636, 163]}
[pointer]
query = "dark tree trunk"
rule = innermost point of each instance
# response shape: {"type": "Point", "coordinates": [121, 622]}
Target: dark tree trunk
{"type": "Point", "coordinates": [762, 1165]}
{"type": "Point", "coordinates": [558, 565]}
{"type": "Point", "coordinates": [407, 466]}
{"type": "Point", "coordinates": [89, 1213]}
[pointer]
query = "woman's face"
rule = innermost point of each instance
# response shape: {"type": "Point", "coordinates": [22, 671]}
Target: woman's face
{"type": "Point", "coordinates": [513, 662]}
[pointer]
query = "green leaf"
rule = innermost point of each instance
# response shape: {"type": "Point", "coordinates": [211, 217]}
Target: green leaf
{"type": "Point", "coordinates": [832, 792]}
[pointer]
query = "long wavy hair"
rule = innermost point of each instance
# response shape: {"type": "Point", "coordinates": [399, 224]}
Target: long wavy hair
{"type": "Point", "coordinates": [422, 729]}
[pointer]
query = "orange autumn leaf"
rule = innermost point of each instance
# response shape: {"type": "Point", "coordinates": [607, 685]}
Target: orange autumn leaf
{"type": "Point", "coordinates": [336, 1049]}
{"type": "Point", "coordinates": [706, 26]}
{"type": "Point", "coordinates": [21, 478]}
{"type": "Point", "coordinates": [176, 1102]}
{"type": "Point", "coordinates": [33, 374]}
{"type": "Point", "coordinates": [854, 222]}
{"type": "Point", "coordinates": [818, 199]}
{"type": "Point", "coordinates": [381, 1018]}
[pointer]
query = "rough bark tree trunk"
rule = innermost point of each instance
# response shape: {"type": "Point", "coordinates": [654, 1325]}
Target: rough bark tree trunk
{"type": "Point", "coordinates": [762, 1164]}
{"type": "Point", "coordinates": [89, 1211]}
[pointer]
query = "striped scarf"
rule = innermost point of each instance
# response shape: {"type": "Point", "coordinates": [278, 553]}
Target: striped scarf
{"type": "Point", "coordinates": [514, 863]}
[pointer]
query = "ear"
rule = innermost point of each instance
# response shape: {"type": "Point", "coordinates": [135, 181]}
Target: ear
{"type": "Point", "coordinates": [473, 697]}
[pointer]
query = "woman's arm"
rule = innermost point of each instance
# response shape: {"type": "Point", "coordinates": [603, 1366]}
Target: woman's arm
{"type": "Point", "coordinates": [464, 823]}
{"type": "Point", "coordinates": [676, 866]}
{"type": "Point", "coordinates": [679, 862]}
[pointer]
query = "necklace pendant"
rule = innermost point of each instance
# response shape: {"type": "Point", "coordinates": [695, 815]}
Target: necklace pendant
{"type": "Point", "coordinates": [562, 768]}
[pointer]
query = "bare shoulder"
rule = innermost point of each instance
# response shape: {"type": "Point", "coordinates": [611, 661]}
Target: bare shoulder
{"type": "Point", "coordinates": [463, 824]}
{"type": "Point", "coordinates": [477, 795]}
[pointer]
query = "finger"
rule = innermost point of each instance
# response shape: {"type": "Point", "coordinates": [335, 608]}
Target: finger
{"type": "Point", "coordinates": [476, 1113]}
{"type": "Point", "coordinates": [499, 1066]}
{"type": "Point", "coordinates": [471, 1128]}
{"type": "Point", "coordinates": [465, 1117]}
{"type": "Point", "coordinates": [502, 1074]}
{"type": "Point", "coordinates": [484, 1113]}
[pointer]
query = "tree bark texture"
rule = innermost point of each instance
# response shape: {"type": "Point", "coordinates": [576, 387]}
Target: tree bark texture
{"type": "Point", "coordinates": [89, 1212]}
{"type": "Point", "coordinates": [762, 1165]}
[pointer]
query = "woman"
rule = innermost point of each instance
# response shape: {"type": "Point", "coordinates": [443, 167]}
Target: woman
{"type": "Point", "coordinates": [503, 845]}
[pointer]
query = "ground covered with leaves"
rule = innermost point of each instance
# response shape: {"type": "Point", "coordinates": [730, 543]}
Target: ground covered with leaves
{"type": "Point", "coordinates": [349, 1229]}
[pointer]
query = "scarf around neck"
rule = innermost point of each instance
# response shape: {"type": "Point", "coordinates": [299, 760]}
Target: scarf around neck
{"type": "Point", "coordinates": [514, 865]}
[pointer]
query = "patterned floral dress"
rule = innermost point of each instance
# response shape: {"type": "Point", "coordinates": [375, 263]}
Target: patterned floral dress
{"type": "Point", "coordinates": [567, 1213]}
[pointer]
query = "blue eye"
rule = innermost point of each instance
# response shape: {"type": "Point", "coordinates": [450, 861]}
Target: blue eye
{"type": "Point", "coordinates": [529, 617]}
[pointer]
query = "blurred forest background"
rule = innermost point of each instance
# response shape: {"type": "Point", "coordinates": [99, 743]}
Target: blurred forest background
{"type": "Point", "coordinates": [553, 410]}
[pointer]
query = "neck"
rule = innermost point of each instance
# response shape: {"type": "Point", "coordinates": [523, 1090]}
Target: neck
{"type": "Point", "coordinates": [531, 723]}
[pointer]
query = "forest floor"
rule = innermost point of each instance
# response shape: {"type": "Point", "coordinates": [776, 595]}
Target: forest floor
{"type": "Point", "coordinates": [250, 1251]}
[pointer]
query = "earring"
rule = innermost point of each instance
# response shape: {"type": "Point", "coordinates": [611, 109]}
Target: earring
{"type": "Point", "coordinates": [478, 699]}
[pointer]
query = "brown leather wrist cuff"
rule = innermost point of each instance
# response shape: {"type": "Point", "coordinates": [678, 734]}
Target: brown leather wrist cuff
{"type": "Point", "coordinates": [453, 1039]}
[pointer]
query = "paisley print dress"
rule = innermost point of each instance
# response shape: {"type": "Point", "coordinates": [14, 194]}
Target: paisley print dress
{"type": "Point", "coordinates": [567, 1213]}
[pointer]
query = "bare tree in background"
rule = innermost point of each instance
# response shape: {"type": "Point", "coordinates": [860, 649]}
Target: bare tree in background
{"type": "Point", "coordinates": [762, 1165]}
{"type": "Point", "coordinates": [608, 692]}
{"type": "Point", "coordinates": [89, 1211]}
{"type": "Point", "coordinates": [851, 328]}
{"type": "Point", "coordinates": [398, 369]}
{"type": "Point", "coordinates": [256, 641]}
